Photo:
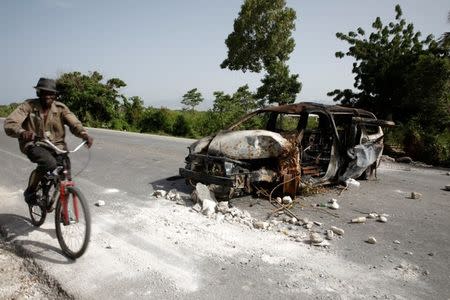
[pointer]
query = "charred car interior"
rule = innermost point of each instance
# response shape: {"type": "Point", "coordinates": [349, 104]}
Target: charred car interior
{"type": "Point", "coordinates": [288, 146]}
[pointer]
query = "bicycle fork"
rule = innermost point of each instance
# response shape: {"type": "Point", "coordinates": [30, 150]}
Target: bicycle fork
{"type": "Point", "coordinates": [64, 198]}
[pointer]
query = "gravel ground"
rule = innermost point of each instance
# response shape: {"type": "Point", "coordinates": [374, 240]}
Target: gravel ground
{"type": "Point", "coordinates": [21, 278]}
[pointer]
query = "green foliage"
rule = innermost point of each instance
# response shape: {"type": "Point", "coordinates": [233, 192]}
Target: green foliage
{"type": "Point", "coordinates": [278, 86]}
{"type": "Point", "coordinates": [181, 127]}
{"type": "Point", "coordinates": [157, 120]}
{"type": "Point", "coordinates": [95, 103]}
{"type": "Point", "coordinates": [262, 35]}
{"type": "Point", "coordinates": [133, 110]}
{"type": "Point", "coordinates": [192, 98]}
{"type": "Point", "coordinates": [262, 39]}
{"type": "Point", "coordinates": [5, 110]}
{"type": "Point", "coordinates": [444, 41]}
{"type": "Point", "coordinates": [245, 99]}
{"type": "Point", "coordinates": [401, 77]}
{"type": "Point", "coordinates": [385, 62]}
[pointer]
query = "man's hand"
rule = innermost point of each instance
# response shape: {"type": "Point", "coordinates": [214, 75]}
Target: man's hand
{"type": "Point", "coordinates": [27, 136]}
{"type": "Point", "coordinates": [89, 140]}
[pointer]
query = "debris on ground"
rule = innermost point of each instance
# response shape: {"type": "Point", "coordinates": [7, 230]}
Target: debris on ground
{"type": "Point", "coordinates": [397, 242]}
{"type": "Point", "coordinates": [352, 183]}
{"type": "Point", "coordinates": [382, 219]}
{"type": "Point", "coordinates": [447, 187]}
{"type": "Point", "coordinates": [315, 238]}
{"type": "Point", "coordinates": [372, 216]}
{"type": "Point", "coordinates": [333, 204]}
{"type": "Point", "coordinates": [371, 240]}
{"type": "Point", "coordinates": [287, 200]}
{"type": "Point", "coordinates": [416, 195]}
{"type": "Point", "coordinates": [159, 193]}
{"type": "Point", "coordinates": [337, 230]}
{"type": "Point", "coordinates": [100, 203]}
{"type": "Point", "coordinates": [359, 220]}
{"type": "Point", "coordinates": [329, 234]}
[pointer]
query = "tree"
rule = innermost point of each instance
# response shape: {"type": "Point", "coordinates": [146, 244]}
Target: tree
{"type": "Point", "coordinates": [278, 86]}
{"type": "Point", "coordinates": [445, 38]}
{"type": "Point", "coordinates": [192, 98]}
{"type": "Point", "coordinates": [133, 109]}
{"type": "Point", "coordinates": [246, 99]}
{"type": "Point", "coordinates": [401, 77]}
{"type": "Point", "coordinates": [262, 39]}
{"type": "Point", "coordinates": [95, 103]}
{"type": "Point", "coordinates": [384, 63]}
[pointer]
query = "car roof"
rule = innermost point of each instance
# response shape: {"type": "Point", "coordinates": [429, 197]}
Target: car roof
{"type": "Point", "coordinates": [297, 108]}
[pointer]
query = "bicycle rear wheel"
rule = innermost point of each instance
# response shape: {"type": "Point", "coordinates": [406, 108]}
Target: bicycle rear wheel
{"type": "Point", "coordinates": [73, 223]}
{"type": "Point", "coordinates": [38, 210]}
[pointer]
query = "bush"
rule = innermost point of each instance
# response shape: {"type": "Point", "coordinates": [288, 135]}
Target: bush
{"type": "Point", "coordinates": [181, 127]}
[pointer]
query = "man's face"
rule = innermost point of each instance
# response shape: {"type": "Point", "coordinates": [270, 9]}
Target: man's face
{"type": "Point", "coordinates": [47, 98]}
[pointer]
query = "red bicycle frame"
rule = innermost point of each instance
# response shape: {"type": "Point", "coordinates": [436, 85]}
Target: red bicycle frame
{"type": "Point", "coordinates": [63, 198]}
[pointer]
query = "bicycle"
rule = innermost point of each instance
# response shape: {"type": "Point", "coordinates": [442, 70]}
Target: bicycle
{"type": "Point", "coordinates": [72, 216]}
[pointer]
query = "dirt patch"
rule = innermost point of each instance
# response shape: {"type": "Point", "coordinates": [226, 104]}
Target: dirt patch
{"type": "Point", "coordinates": [22, 278]}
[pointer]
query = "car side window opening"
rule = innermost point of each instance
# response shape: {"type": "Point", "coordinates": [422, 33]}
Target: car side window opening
{"type": "Point", "coordinates": [316, 144]}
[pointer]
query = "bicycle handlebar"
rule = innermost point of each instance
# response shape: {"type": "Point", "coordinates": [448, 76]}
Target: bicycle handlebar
{"type": "Point", "coordinates": [46, 141]}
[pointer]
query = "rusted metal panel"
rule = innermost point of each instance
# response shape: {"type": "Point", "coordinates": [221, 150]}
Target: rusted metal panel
{"type": "Point", "coordinates": [248, 144]}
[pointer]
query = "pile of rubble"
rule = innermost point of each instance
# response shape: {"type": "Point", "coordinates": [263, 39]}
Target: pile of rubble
{"type": "Point", "coordinates": [204, 202]}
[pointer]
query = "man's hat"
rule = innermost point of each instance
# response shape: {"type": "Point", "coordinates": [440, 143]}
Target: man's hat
{"type": "Point", "coordinates": [46, 84]}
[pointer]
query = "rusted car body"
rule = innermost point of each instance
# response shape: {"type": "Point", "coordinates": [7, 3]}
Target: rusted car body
{"type": "Point", "coordinates": [288, 146]}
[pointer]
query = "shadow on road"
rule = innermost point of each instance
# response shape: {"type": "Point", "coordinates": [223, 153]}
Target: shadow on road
{"type": "Point", "coordinates": [174, 182]}
{"type": "Point", "coordinates": [14, 227]}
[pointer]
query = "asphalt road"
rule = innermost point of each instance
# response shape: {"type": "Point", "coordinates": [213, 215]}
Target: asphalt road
{"type": "Point", "coordinates": [142, 247]}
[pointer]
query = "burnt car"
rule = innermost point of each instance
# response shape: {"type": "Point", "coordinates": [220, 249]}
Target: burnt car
{"type": "Point", "coordinates": [289, 146]}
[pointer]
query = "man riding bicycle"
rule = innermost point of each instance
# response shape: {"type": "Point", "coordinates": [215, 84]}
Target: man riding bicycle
{"type": "Point", "coordinates": [40, 118]}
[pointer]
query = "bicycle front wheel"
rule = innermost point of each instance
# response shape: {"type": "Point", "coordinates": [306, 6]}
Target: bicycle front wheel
{"type": "Point", "coordinates": [73, 223]}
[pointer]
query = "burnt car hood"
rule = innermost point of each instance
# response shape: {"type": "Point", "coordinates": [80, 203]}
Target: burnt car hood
{"type": "Point", "coordinates": [244, 144]}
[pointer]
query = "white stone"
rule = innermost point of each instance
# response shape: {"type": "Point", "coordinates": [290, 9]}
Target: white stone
{"type": "Point", "coordinates": [447, 187]}
{"type": "Point", "coordinates": [223, 207]}
{"type": "Point", "coordinates": [382, 219]}
{"type": "Point", "coordinates": [332, 200]}
{"type": "Point", "coordinates": [293, 220]}
{"type": "Point", "coordinates": [333, 205]}
{"type": "Point", "coordinates": [203, 192]}
{"type": "Point", "coordinates": [372, 216]}
{"type": "Point", "coordinates": [309, 225]}
{"type": "Point", "coordinates": [279, 200]}
{"type": "Point", "coordinates": [275, 222]}
{"type": "Point", "coordinates": [415, 195]}
{"type": "Point", "coordinates": [315, 238]}
{"type": "Point", "coordinates": [322, 244]}
{"type": "Point", "coordinates": [260, 225]}
{"type": "Point", "coordinates": [396, 242]}
{"type": "Point", "coordinates": [372, 240]}
{"type": "Point", "coordinates": [359, 220]}
{"type": "Point", "coordinates": [100, 203]}
{"type": "Point", "coordinates": [159, 193]}
{"type": "Point", "coordinates": [304, 220]}
{"type": "Point", "coordinates": [352, 183]}
{"type": "Point", "coordinates": [287, 200]}
{"type": "Point", "coordinates": [330, 234]}
{"type": "Point", "coordinates": [337, 230]}
{"type": "Point", "coordinates": [172, 194]}
{"type": "Point", "coordinates": [208, 207]}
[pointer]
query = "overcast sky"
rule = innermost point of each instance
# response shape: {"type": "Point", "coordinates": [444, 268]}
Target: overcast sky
{"type": "Point", "coordinates": [161, 49]}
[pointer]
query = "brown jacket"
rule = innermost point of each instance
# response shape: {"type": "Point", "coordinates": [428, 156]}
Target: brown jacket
{"type": "Point", "coordinates": [27, 117]}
